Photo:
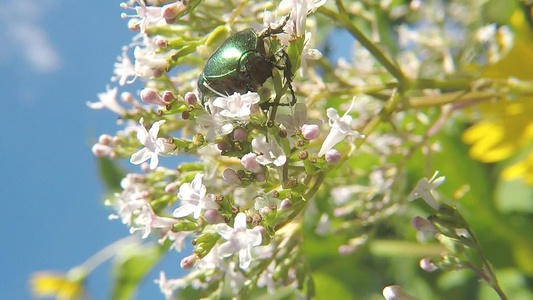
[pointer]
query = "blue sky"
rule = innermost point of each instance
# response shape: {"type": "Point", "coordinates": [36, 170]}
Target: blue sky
{"type": "Point", "coordinates": [55, 56]}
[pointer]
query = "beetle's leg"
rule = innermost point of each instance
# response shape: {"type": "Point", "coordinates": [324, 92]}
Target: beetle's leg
{"type": "Point", "coordinates": [287, 73]}
{"type": "Point", "coordinates": [271, 31]}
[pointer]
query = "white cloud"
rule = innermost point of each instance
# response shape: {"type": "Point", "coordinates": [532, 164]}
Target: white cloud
{"type": "Point", "coordinates": [23, 37]}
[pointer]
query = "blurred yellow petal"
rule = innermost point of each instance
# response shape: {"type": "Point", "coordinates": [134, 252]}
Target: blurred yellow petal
{"type": "Point", "coordinates": [513, 64]}
{"type": "Point", "coordinates": [528, 131]}
{"type": "Point", "coordinates": [521, 169]}
{"type": "Point", "coordinates": [514, 171]}
{"type": "Point", "coordinates": [489, 142]}
{"type": "Point", "coordinates": [57, 285]}
{"type": "Point", "coordinates": [506, 126]}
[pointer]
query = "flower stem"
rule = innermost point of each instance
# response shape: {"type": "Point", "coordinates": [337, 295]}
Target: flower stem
{"type": "Point", "coordinates": [108, 252]}
{"type": "Point", "coordinates": [343, 19]}
{"type": "Point", "coordinates": [380, 117]}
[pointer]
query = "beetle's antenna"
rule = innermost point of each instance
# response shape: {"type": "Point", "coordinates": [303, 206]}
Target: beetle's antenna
{"type": "Point", "coordinates": [213, 90]}
{"type": "Point", "coordinates": [271, 31]}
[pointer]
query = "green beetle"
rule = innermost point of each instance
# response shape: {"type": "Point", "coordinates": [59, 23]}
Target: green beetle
{"type": "Point", "coordinates": [241, 64]}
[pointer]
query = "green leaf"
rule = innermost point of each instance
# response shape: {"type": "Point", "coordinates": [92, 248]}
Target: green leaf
{"type": "Point", "coordinates": [295, 53]}
{"type": "Point", "coordinates": [132, 265]}
{"type": "Point", "coordinates": [328, 287]}
{"type": "Point", "coordinates": [111, 173]}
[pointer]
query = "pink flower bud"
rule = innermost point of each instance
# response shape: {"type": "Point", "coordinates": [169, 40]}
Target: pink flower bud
{"type": "Point", "coordinates": [101, 150]}
{"type": "Point", "coordinates": [260, 177]}
{"type": "Point", "coordinates": [158, 72]}
{"type": "Point", "coordinates": [285, 204]}
{"type": "Point", "coordinates": [427, 265]}
{"type": "Point", "coordinates": [188, 262]}
{"type": "Point", "coordinates": [150, 96]}
{"type": "Point", "coordinates": [265, 210]}
{"type": "Point", "coordinates": [145, 167]}
{"type": "Point", "coordinates": [250, 163]}
{"type": "Point", "coordinates": [231, 176]}
{"type": "Point", "coordinates": [239, 135]}
{"type": "Point", "coordinates": [223, 146]}
{"type": "Point", "coordinates": [310, 131]}
{"type": "Point", "coordinates": [126, 97]}
{"type": "Point", "coordinates": [346, 249]}
{"type": "Point", "coordinates": [421, 224]}
{"type": "Point", "coordinates": [395, 292]}
{"type": "Point", "coordinates": [105, 139]}
{"type": "Point", "coordinates": [190, 98]}
{"type": "Point", "coordinates": [116, 140]}
{"type": "Point", "coordinates": [168, 96]}
{"type": "Point", "coordinates": [170, 11]}
{"type": "Point", "coordinates": [333, 156]}
{"type": "Point", "coordinates": [213, 216]}
{"type": "Point", "coordinates": [171, 188]}
{"type": "Point", "coordinates": [161, 43]}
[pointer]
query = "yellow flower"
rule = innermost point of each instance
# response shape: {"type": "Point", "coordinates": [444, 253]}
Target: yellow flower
{"type": "Point", "coordinates": [60, 286]}
{"type": "Point", "coordinates": [506, 127]}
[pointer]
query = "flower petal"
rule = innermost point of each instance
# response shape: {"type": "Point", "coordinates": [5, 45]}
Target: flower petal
{"type": "Point", "coordinates": [140, 156]}
{"type": "Point", "coordinates": [224, 230]}
{"type": "Point", "coordinates": [227, 249]}
{"type": "Point", "coordinates": [184, 210]}
{"type": "Point", "coordinates": [240, 222]}
{"type": "Point", "coordinates": [245, 258]}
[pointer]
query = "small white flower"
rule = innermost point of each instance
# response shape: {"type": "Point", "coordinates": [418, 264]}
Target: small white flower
{"type": "Point", "coordinates": [424, 189]}
{"type": "Point", "coordinates": [169, 287]}
{"type": "Point", "coordinates": [194, 198]}
{"type": "Point", "coordinates": [215, 124]}
{"type": "Point", "coordinates": [145, 15]}
{"type": "Point", "coordinates": [299, 11]}
{"type": "Point", "coordinates": [308, 53]}
{"type": "Point", "coordinates": [239, 239]}
{"type": "Point", "coordinates": [236, 105]}
{"type": "Point", "coordinates": [147, 220]}
{"type": "Point", "coordinates": [147, 62]}
{"type": "Point", "coordinates": [272, 152]}
{"type": "Point", "coordinates": [124, 69]}
{"type": "Point", "coordinates": [130, 201]}
{"type": "Point", "coordinates": [295, 120]}
{"type": "Point", "coordinates": [212, 261]}
{"type": "Point", "coordinates": [153, 146]}
{"type": "Point", "coordinates": [267, 278]}
{"type": "Point", "coordinates": [108, 100]}
{"type": "Point", "coordinates": [340, 129]}
{"type": "Point", "coordinates": [179, 239]}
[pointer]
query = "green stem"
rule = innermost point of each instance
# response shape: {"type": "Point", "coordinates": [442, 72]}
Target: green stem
{"type": "Point", "coordinates": [453, 97]}
{"type": "Point", "coordinates": [344, 21]}
{"type": "Point", "coordinates": [382, 116]}
{"type": "Point", "coordinates": [108, 252]}
{"type": "Point", "coordinates": [319, 178]}
{"type": "Point", "coordinates": [490, 276]}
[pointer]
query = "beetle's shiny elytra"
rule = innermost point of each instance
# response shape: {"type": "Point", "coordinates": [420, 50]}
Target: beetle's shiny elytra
{"type": "Point", "coordinates": [240, 65]}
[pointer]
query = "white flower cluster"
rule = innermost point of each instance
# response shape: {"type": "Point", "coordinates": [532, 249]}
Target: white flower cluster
{"type": "Point", "coordinates": [261, 159]}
